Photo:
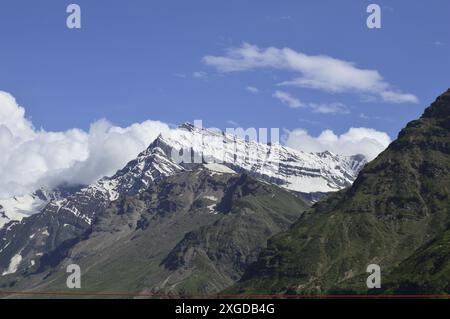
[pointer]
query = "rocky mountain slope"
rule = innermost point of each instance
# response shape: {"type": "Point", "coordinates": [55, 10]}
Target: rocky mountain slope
{"type": "Point", "coordinates": [64, 221]}
{"type": "Point", "coordinates": [195, 231]}
{"type": "Point", "coordinates": [396, 215]}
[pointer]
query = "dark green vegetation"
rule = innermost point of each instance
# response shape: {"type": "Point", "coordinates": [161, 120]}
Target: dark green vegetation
{"type": "Point", "coordinates": [194, 232]}
{"type": "Point", "coordinates": [396, 215]}
{"type": "Point", "coordinates": [427, 270]}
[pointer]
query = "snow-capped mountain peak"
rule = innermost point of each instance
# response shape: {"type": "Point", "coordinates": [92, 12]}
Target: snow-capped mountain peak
{"type": "Point", "coordinates": [295, 170]}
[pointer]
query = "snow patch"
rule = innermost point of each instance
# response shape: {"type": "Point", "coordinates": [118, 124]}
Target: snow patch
{"type": "Point", "coordinates": [13, 265]}
{"type": "Point", "coordinates": [211, 209]}
{"type": "Point", "coordinates": [308, 184]}
{"type": "Point", "coordinates": [219, 168]}
{"type": "Point", "coordinates": [110, 187]}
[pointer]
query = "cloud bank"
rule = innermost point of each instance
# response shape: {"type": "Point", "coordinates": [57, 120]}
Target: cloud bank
{"type": "Point", "coordinates": [31, 158]}
{"type": "Point", "coordinates": [320, 72]}
{"type": "Point", "coordinates": [366, 141]}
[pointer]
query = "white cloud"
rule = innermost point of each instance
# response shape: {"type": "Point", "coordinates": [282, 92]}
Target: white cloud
{"type": "Point", "coordinates": [311, 71]}
{"type": "Point", "coordinates": [199, 75]}
{"type": "Point", "coordinates": [288, 99]}
{"type": "Point", "coordinates": [31, 158]}
{"type": "Point", "coordinates": [323, 108]}
{"type": "Point", "coordinates": [366, 141]}
{"type": "Point", "coordinates": [329, 108]}
{"type": "Point", "coordinates": [396, 97]}
{"type": "Point", "coordinates": [252, 89]}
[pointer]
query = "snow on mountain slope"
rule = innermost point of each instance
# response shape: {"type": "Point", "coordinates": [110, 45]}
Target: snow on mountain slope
{"type": "Point", "coordinates": [150, 165]}
{"type": "Point", "coordinates": [67, 219]}
{"type": "Point", "coordinates": [18, 207]}
{"type": "Point", "coordinates": [295, 170]}
{"type": "Point", "coordinates": [219, 168]}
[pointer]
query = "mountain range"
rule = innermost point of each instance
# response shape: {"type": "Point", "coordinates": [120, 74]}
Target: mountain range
{"type": "Point", "coordinates": [167, 225]}
{"type": "Point", "coordinates": [311, 175]}
{"type": "Point", "coordinates": [257, 219]}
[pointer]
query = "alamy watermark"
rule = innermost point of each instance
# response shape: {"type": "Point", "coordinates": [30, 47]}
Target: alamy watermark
{"type": "Point", "coordinates": [374, 19]}
{"type": "Point", "coordinates": [74, 279]}
{"type": "Point", "coordinates": [73, 21]}
{"type": "Point", "coordinates": [237, 146]}
{"type": "Point", "coordinates": [374, 279]}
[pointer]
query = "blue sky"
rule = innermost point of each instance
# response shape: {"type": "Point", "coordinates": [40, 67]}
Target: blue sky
{"type": "Point", "coordinates": [138, 60]}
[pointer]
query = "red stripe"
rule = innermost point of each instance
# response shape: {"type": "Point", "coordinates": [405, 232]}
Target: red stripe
{"type": "Point", "coordinates": [219, 296]}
